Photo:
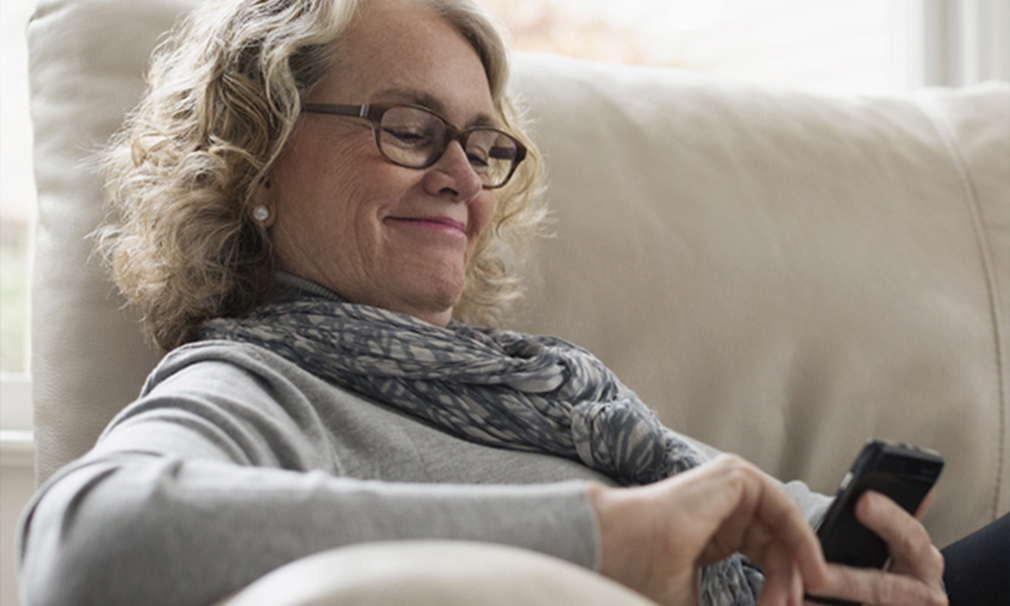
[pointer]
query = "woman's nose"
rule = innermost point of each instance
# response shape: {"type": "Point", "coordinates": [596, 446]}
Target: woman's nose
{"type": "Point", "coordinates": [454, 175]}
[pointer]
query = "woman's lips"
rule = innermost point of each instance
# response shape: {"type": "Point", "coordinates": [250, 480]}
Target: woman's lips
{"type": "Point", "coordinates": [440, 224]}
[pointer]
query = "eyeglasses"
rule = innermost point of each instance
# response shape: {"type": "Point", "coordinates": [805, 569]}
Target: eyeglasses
{"type": "Point", "coordinates": [416, 137]}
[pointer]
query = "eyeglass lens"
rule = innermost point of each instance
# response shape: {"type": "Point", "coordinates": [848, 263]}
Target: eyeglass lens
{"type": "Point", "coordinates": [416, 138]}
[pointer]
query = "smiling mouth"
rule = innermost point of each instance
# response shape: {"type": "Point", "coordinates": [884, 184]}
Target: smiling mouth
{"type": "Point", "coordinates": [444, 224]}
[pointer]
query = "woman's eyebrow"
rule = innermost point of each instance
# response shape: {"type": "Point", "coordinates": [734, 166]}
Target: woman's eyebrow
{"type": "Point", "coordinates": [424, 99]}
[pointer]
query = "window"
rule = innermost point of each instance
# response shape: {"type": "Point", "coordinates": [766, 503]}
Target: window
{"type": "Point", "coordinates": [17, 191]}
{"type": "Point", "coordinates": [856, 46]}
{"type": "Point", "coordinates": [821, 44]}
{"type": "Point", "coordinates": [17, 218]}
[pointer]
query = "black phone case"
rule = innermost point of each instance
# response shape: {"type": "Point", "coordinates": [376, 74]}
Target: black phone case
{"type": "Point", "coordinates": [903, 473]}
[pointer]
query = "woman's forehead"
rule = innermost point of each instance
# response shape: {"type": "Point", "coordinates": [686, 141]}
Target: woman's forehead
{"type": "Point", "coordinates": [410, 50]}
{"type": "Point", "coordinates": [412, 96]}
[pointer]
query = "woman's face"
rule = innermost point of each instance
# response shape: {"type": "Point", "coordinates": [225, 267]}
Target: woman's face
{"type": "Point", "coordinates": [345, 217]}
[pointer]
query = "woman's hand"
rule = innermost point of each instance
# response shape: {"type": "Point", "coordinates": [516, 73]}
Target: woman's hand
{"type": "Point", "coordinates": [656, 538]}
{"type": "Point", "coordinates": [914, 576]}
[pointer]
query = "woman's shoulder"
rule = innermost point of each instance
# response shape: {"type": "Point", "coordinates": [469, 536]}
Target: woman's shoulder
{"type": "Point", "coordinates": [220, 357]}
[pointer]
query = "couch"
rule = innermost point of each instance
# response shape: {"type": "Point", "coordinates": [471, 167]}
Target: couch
{"type": "Point", "coordinates": [780, 273]}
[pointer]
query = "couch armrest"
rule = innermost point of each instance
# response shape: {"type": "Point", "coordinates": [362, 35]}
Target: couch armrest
{"type": "Point", "coordinates": [433, 573]}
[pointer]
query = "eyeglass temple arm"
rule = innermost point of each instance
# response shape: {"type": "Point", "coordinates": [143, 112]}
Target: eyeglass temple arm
{"type": "Point", "coordinates": [360, 111]}
{"type": "Point", "coordinates": [504, 153]}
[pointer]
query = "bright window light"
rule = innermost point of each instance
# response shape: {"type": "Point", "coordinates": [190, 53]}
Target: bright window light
{"type": "Point", "coordinates": [851, 46]}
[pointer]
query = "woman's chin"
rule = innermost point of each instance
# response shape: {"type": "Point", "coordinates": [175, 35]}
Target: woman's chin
{"type": "Point", "coordinates": [431, 300]}
{"type": "Point", "coordinates": [433, 314]}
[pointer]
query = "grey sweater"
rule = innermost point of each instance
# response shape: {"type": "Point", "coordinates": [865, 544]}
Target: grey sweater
{"type": "Point", "coordinates": [235, 461]}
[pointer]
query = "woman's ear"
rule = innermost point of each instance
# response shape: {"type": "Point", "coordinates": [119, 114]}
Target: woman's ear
{"type": "Point", "coordinates": [262, 208]}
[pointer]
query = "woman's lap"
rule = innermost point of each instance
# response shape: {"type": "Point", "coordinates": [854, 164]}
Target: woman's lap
{"type": "Point", "coordinates": [978, 567]}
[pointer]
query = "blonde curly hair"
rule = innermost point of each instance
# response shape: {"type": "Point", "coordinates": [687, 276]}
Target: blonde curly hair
{"type": "Point", "coordinates": [225, 93]}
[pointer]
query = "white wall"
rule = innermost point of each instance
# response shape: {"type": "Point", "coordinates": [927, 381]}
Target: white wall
{"type": "Point", "coordinates": [17, 483]}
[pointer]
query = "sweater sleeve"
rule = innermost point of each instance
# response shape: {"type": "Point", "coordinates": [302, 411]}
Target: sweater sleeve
{"type": "Point", "coordinates": [193, 494]}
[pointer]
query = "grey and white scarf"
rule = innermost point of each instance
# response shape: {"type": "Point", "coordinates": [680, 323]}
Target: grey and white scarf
{"type": "Point", "coordinates": [494, 387]}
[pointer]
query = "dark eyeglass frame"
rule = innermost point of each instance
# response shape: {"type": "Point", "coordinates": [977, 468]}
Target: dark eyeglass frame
{"type": "Point", "coordinates": [373, 112]}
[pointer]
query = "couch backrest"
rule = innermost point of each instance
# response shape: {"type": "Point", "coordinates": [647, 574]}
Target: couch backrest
{"type": "Point", "coordinates": [784, 274]}
{"type": "Point", "coordinates": [86, 65]}
{"type": "Point", "coordinates": [780, 274]}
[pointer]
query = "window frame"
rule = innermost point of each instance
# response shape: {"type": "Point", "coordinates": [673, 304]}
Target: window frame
{"type": "Point", "coordinates": [17, 448]}
{"type": "Point", "coordinates": [955, 42]}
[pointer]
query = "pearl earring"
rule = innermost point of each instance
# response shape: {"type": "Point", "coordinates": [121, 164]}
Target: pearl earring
{"type": "Point", "coordinates": [261, 213]}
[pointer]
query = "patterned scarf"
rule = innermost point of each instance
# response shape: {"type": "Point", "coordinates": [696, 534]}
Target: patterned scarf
{"type": "Point", "coordinates": [493, 387]}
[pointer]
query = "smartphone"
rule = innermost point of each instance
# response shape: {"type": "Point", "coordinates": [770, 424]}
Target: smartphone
{"type": "Point", "coordinates": [901, 472]}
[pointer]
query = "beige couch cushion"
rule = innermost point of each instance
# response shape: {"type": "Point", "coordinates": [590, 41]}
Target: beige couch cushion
{"type": "Point", "coordinates": [782, 274]}
{"type": "Point", "coordinates": [433, 573]}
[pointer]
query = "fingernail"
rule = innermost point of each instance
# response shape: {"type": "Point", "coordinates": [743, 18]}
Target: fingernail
{"type": "Point", "coordinates": [868, 503]}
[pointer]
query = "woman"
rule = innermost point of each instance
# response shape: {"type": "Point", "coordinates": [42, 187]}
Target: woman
{"type": "Point", "coordinates": [317, 200]}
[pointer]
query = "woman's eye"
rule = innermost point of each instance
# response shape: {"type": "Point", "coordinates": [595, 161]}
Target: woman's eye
{"type": "Point", "coordinates": [478, 161]}
{"type": "Point", "coordinates": [409, 136]}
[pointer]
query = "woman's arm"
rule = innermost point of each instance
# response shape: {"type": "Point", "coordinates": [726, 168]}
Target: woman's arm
{"type": "Point", "coordinates": [220, 474]}
{"type": "Point", "coordinates": [142, 529]}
